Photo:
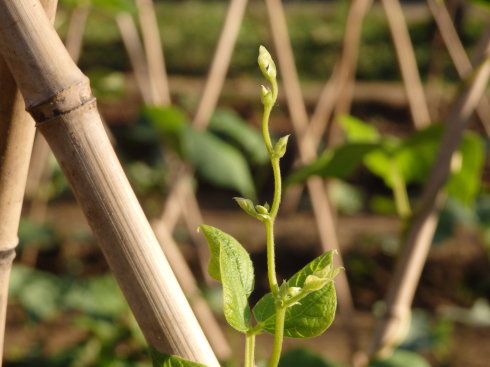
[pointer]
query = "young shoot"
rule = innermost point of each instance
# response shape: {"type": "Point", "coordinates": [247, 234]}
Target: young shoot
{"type": "Point", "coordinates": [280, 312]}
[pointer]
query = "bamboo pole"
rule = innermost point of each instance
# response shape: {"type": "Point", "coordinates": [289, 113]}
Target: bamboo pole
{"type": "Point", "coordinates": [40, 172]}
{"type": "Point", "coordinates": [155, 59]}
{"type": "Point", "coordinates": [348, 60]}
{"type": "Point", "coordinates": [15, 126]}
{"type": "Point", "coordinates": [419, 237]}
{"type": "Point", "coordinates": [188, 283]}
{"type": "Point", "coordinates": [407, 63]}
{"type": "Point", "coordinates": [458, 54]}
{"type": "Point", "coordinates": [220, 63]}
{"type": "Point", "coordinates": [58, 96]}
{"type": "Point", "coordinates": [76, 27]}
{"type": "Point", "coordinates": [134, 48]}
{"type": "Point", "coordinates": [337, 91]}
{"type": "Point", "coordinates": [16, 140]}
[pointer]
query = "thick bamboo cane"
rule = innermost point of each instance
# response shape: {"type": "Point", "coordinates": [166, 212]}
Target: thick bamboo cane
{"type": "Point", "coordinates": [58, 97]}
{"type": "Point", "coordinates": [16, 140]}
{"type": "Point", "coordinates": [417, 242]}
{"type": "Point", "coordinates": [407, 63]}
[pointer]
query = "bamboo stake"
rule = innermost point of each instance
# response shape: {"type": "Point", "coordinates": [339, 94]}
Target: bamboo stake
{"type": "Point", "coordinates": [74, 34]}
{"type": "Point", "coordinates": [307, 151]}
{"type": "Point", "coordinates": [40, 172]}
{"type": "Point", "coordinates": [15, 126]}
{"type": "Point", "coordinates": [458, 54]}
{"type": "Point", "coordinates": [348, 60]}
{"type": "Point", "coordinates": [133, 46]}
{"type": "Point", "coordinates": [188, 283]}
{"type": "Point", "coordinates": [38, 165]}
{"type": "Point", "coordinates": [417, 242]}
{"type": "Point", "coordinates": [16, 140]}
{"type": "Point", "coordinates": [220, 63]}
{"type": "Point", "coordinates": [58, 97]}
{"type": "Point", "coordinates": [480, 46]}
{"type": "Point", "coordinates": [407, 63]}
{"type": "Point", "coordinates": [337, 90]}
{"type": "Point", "coordinates": [157, 75]}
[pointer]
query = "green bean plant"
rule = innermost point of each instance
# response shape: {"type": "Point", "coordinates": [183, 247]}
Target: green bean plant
{"type": "Point", "coordinates": [301, 307]}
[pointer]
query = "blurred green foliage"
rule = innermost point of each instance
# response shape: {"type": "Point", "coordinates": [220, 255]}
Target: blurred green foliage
{"type": "Point", "coordinates": [108, 333]}
{"type": "Point", "coordinates": [190, 29]}
{"type": "Point", "coordinates": [406, 160]}
{"type": "Point", "coordinates": [214, 158]}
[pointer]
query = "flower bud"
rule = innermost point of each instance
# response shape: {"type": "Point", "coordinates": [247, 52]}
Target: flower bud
{"type": "Point", "coordinates": [320, 278]}
{"type": "Point", "coordinates": [280, 147]}
{"type": "Point", "coordinates": [266, 64]}
{"type": "Point", "coordinates": [261, 209]}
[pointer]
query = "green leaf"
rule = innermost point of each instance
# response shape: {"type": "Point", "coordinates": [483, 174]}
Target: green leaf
{"type": "Point", "coordinates": [340, 162]}
{"type": "Point", "coordinates": [314, 313]}
{"type": "Point", "coordinates": [218, 162]}
{"type": "Point", "coordinates": [97, 296]}
{"type": "Point", "coordinates": [401, 358]}
{"type": "Point", "coordinates": [230, 263]}
{"type": "Point", "coordinates": [40, 293]}
{"type": "Point", "coordinates": [166, 360]}
{"type": "Point", "coordinates": [170, 124]}
{"type": "Point", "coordinates": [412, 157]}
{"type": "Point", "coordinates": [358, 131]}
{"type": "Point", "coordinates": [229, 124]}
{"type": "Point", "coordinates": [465, 184]}
{"type": "Point", "coordinates": [485, 4]}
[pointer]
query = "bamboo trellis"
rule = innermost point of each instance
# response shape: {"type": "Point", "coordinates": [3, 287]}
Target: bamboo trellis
{"type": "Point", "coordinates": [310, 131]}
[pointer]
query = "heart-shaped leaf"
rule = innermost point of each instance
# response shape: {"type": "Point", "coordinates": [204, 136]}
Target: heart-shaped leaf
{"type": "Point", "coordinates": [230, 263]}
{"type": "Point", "coordinates": [312, 315]}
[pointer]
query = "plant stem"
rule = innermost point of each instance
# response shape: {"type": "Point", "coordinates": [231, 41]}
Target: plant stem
{"type": "Point", "coordinates": [278, 336]}
{"type": "Point", "coordinates": [265, 129]}
{"type": "Point", "coordinates": [276, 168]}
{"type": "Point", "coordinates": [400, 192]}
{"type": "Point", "coordinates": [249, 350]}
{"type": "Point", "coordinates": [271, 261]}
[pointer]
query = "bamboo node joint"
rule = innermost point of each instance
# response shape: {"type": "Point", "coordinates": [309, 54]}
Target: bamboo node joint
{"type": "Point", "coordinates": [7, 255]}
{"type": "Point", "coordinates": [63, 102]}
